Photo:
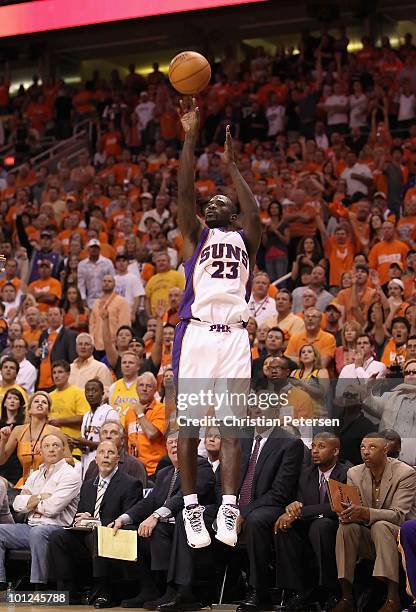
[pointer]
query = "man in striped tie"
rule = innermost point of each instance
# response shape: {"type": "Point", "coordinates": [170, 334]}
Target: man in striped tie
{"type": "Point", "coordinates": [271, 461]}
{"type": "Point", "coordinates": [104, 498]}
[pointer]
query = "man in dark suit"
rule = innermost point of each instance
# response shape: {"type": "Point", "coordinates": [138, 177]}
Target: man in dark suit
{"type": "Point", "coordinates": [114, 432]}
{"type": "Point", "coordinates": [55, 343]}
{"type": "Point", "coordinates": [156, 516]}
{"type": "Point", "coordinates": [308, 528]}
{"type": "Point", "coordinates": [110, 494]}
{"type": "Point", "coordinates": [271, 462]}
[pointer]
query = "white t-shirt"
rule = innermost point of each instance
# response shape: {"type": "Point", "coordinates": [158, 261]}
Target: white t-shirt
{"type": "Point", "coordinates": [354, 185]}
{"type": "Point", "coordinates": [144, 111]}
{"type": "Point", "coordinates": [406, 107]}
{"type": "Point", "coordinates": [335, 117]}
{"type": "Point", "coordinates": [358, 115]}
{"type": "Point", "coordinates": [90, 429]}
{"type": "Point", "coordinates": [129, 286]}
{"type": "Point", "coordinates": [276, 118]}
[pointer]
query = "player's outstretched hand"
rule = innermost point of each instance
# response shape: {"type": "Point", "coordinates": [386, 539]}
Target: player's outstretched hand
{"type": "Point", "coordinates": [189, 115]}
{"type": "Point", "coordinates": [228, 147]}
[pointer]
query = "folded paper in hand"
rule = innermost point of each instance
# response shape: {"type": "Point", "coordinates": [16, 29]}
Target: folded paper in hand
{"type": "Point", "coordinates": [121, 546]}
{"type": "Point", "coordinates": [338, 492]}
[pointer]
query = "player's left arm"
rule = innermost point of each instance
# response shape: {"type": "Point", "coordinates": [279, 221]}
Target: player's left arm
{"type": "Point", "coordinates": [249, 208]}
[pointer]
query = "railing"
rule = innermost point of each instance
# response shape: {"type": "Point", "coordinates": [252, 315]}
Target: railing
{"type": "Point", "coordinates": [282, 279]}
{"type": "Point", "coordinates": [63, 148]}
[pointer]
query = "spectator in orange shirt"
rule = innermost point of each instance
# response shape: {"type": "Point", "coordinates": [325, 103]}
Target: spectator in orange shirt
{"type": "Point", "coordinates": [83, 103]}
{"type": "Point", "coordinates": [111, 140]}
{"type": "Point", "coordinates": [204, 184]}
{"type": "Point", "coordinates": [340, 249]}
{"type": "Point", "coordinates": [47, 290]}
{"type": "Point", "coordinates": [313, 334]}
{"type": "Point", "coordinates": [386, 252]}
{"type": "Point", "coordinates": [32, 329]}
{"type": "Point", "coordinates": [145, 425]}
{"type": "Point", "coordinates": [39, 114]}
{"type": "Point", "coordinates": [10, 269]}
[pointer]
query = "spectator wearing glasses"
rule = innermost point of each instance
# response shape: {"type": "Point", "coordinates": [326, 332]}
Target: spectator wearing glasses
{"type": "Point", "coordinates": [396, 409]}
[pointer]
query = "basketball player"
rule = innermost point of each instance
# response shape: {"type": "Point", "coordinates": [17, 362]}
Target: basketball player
{"type": "Point", "coordinates": [211, 343]}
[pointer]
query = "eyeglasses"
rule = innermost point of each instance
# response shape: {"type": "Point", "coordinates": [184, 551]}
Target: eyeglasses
{"type": "Point", "coordinates": [410, 373]}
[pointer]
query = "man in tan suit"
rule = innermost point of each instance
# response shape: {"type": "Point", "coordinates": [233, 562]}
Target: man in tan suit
{"type": "Point", "coordinates": [387, 488]}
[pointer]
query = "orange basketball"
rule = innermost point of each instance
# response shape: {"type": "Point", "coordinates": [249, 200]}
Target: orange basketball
{"type": "Point", "coordinates": [189, 72]}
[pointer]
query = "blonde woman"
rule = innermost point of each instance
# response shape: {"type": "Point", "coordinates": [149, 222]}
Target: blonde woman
{"type": "Point", "coordinates": [311, 376]}
{"type": "Point", "coordinates": [26, 438]}
{"type": "Point", "coordinates": [345, 354]}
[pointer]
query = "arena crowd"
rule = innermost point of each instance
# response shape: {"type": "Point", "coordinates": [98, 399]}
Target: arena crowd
{"type": "Point", "coordinates": [90, 298]}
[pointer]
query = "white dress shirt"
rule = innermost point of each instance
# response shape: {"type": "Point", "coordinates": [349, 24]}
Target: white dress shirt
{"type": "Point", "coordinates": [350, 374]}
{"type": "Point", "coordinates": [27, 376]}
{"type": "Point", "coordinates": [63, 483]}
{"type": "Point", "coordinates": [263, 309]}
{"type": "Point", "coordinates": [90, 429]}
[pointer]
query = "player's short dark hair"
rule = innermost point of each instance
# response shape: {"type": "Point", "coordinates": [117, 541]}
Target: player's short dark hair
{"type": "Point", "coordinates": [375, 434]}
{"type": "Point", "coordinates": [96, 381]}
{"type": "Point", "coordinates": [328, 435]}
{"type": "Point", "coordinates": [365, 336]}
{"type": "Point", "coordinates": [125, 327]}
{"type": "Point", "coordinates": [391, 435]}
{"type": "Point", "coordinates": [61, 363]}
{"type": "Point", "coordinates": [276, 329]}
{"type": "Point", "coordinates": [401, 320]}
{"type": "Point", "coordinates": [10, 358]}
{"type": "Point", "coordinates": [290, 364]}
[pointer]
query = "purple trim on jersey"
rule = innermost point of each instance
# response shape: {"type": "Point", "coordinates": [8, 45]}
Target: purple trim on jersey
{"type": "Point", "coordinates": [250, 275]}
{"type": "Point", "coordinates": [180, 330]}
{"type": "Point", "coordinates": [249, 286]}
{"type": "Point", "coordinates": [188, 297]}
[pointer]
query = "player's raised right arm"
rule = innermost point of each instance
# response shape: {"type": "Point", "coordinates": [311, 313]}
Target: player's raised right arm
{"type": "Point", "coordinates": [188, 222]}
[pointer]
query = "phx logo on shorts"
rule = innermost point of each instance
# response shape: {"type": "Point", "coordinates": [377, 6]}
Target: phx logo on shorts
{"type": "Point", "coordinates": [220, 328]}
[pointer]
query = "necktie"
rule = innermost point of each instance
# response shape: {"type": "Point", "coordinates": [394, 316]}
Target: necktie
{"type": "Point", "coordinates": [172, 484]}
{"type": "Point", "coordinates": [247, 486]}
{"type": "Point", "coordinates": [100, 494]}
{"type": "Point", "coordinates": [322, 489]}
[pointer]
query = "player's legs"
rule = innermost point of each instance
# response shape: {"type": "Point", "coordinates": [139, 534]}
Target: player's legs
{"type": "Point", "coordinates": [236, 362]}
{"type": "Point", "coordinates": [189, 363]}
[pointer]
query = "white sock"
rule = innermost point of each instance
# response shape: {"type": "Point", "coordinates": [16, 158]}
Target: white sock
{"type": "Point", "coordinates": [229, 500]}
{"type": "Point", "coordinates": [190, 500]}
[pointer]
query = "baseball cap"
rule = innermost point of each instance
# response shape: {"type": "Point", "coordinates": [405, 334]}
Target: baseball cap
{"type": "Point", "coordinates": [121, 256]}
{"type": "Point", "coordinates": [396, 264]}
{"type": "Point", "coordinates": [93, 242]}
{"type": "Point", "coordinates": [45, 262]}
{"type": "Point", "coordinates": [333, 307]}
{"type": "Point", "coordinates": [380, 194]}
{"type": "Point", "coordinates": [147, 195]}
{"type": "Point", "coordinates": [137, 340]}
{"type": "Point", "coordinates": [46, 234]}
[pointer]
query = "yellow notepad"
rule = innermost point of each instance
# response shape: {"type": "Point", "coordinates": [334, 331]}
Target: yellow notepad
{"type": "Point", "coordinates": [121, 546]}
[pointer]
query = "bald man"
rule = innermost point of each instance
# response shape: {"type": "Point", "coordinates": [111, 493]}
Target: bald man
{"type": "Point", "coordinates": [309, 527]}
{"type": "Point", "coordinates": [49, 498]}
{"type": "Point", "coordinates": [69, 549]}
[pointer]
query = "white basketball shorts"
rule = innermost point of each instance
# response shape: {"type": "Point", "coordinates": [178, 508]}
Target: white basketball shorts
{"type": "Point", "coordinates": [212, 364]}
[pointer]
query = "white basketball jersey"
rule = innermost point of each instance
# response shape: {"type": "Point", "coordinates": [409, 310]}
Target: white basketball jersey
{"type": "Point", "coordinates": [217, 276]}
